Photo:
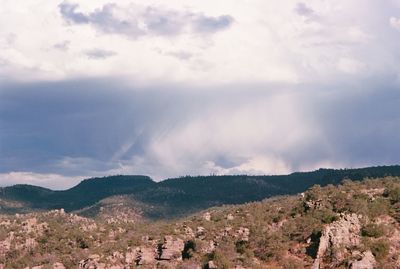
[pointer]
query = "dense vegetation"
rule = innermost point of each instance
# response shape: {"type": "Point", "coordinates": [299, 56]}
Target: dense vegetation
{"type": "Point", "coordinates": [178, 196]}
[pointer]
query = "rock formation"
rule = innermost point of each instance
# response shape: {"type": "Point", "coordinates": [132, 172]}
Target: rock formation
{"type": "Point", "coordinates": [337, 238]}
{"type": "Point", "coordinates": [367, 261]}
{"type": "Point", "coordinates": [171, 249]}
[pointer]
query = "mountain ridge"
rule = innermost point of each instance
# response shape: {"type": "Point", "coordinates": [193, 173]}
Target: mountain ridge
{"type": "Point", "coordinates": [179, 196]}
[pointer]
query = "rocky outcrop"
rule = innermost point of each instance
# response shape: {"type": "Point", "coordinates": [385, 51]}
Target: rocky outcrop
{"type": "Point", "coordinates": [367, 261]}
{"type": "Point", "coordinates": [207, 216]}
{"type": "Point", "coordinates": [92, 262]}
{"type": "Point", "coordinates": [171, 249]}
{"type": "Point", "coordinates": [337, 238]}
{"type": "Point", "coordinates": [200, 232]}
{"type": "Point", "coordinates": [209, 247]}
{"type": "Point", "coordinates": [243, 234]}
{"type": "Point", "coordinates": [145, 255]}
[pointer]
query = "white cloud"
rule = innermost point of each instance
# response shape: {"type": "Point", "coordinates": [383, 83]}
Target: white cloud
{"type": "Point", "coordinates": [53, 181]}
{"type": "Point", "coordinates": [350, 66]}
{"type": "Point", "coordinates": [395, 22]}
{"type": "Point", "coordinates": [267, 42]}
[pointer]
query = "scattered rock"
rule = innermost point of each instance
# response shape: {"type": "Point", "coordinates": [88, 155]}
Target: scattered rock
{"type": "Point", "coordinates": [188, 231]}
{"type": "Point", "coordinates": [92, 262]}
{"type": "Point", "coordinates": [210, 247]}
{"type": "Point", "coordinates": [243, 234]}
{"type": "Point", "coordinates": [367, 261]}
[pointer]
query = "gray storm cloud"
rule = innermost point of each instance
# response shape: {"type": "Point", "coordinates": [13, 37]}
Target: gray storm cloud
{"type": "Point", "coordinates": [144, 20]}
{"type": "Point", "coordinates": [83, 128]}
{"type": "Point", "coordinates": [257, 87]}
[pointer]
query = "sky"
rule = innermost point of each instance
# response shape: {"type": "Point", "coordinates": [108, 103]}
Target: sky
{"type": "Point", "coordinates": [197, 87]}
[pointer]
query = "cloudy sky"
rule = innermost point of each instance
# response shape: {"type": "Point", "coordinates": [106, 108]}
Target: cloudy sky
{"type": "Point", "coordinates": [170, 88]}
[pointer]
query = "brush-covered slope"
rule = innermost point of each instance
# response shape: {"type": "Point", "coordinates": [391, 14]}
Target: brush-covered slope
{"type": "Point", "coordinates": [354, 225]}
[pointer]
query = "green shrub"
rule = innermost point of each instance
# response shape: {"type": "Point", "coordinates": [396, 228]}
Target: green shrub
{"type": "Point", "coordinates": [378, 207]}
{"type": "Point", "coordinates": [189, 249]}
{"type": "Point", "coordinates": [373, 230]}
{"type": "Point", "coordinates": [380, 248]}
{"type": "Point", "coordinates": [393, 193]}
{"type": "Point", "coordinates": [241, 246]}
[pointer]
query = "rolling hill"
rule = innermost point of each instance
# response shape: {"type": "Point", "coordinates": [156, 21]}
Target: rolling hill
{"type": "Point", "coordinates": [177, 196]}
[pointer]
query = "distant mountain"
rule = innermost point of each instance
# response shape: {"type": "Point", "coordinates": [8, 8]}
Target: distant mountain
{"type": "Point", "coordinates": [177, 196]}
{"type": "Point", "coordinates": [86, 193]}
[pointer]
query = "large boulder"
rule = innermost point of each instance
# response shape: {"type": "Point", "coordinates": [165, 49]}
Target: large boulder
{"type": "Point", "coordinates": [367, 261]}
{"type": "Point", "coordinates": [171, 249]}
{"type": "Point", "coordinates": [337, 238]}
{"type": "Point", "coordinates": [145, 255]}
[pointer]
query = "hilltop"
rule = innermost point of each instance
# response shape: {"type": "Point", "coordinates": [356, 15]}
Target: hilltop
{"type": "Point", "coordinates": [173, 197]}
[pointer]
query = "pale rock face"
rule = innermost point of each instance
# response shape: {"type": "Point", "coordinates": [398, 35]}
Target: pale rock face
{"type": "Point", "coordinates": [145, 255]}
{"type": "Point", "coordinates": [38, 267]}
{"type": "Point", "coordinates": [371, 193]}
{"type": "Point", "coordinates": [227, 231]}
{"type": "Point", "coordinates": [29, 225]}
{"type": "Point", "coordinates": [30, 243]}
{"type": "Point", "coordinates": [212, 265]}
{"type": "Point", "coordinates": [367, 262]}
{"type": "Point", "coordinates": [200, 232]}
{"type": "Point", "coordinates": [130, 257]}
{"type": "Point", "coordinates": [188, 231]}
{"type": "Point", "coordinates": [210, 247]}
{"type": "Point", "coordinates": [338, 237]}
{"type": "Point", "coordinates": [171, 249]}
{"type": "Point", "coordinates": [118, 255]}
{"type": "Point", "coordinates": [90, 263]}
{"type": "Point", "coordinates": [207, 216]}
{"type": "Point", "coordinates": [243, 234]}
{"type": "Point", "coordinates": [230, 217]}
{"type": "Point", "coordinates": [95, 257]}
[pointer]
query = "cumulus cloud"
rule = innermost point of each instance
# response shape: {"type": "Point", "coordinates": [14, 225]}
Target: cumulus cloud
{"type": "Point", "coordinates": [135, 20]}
